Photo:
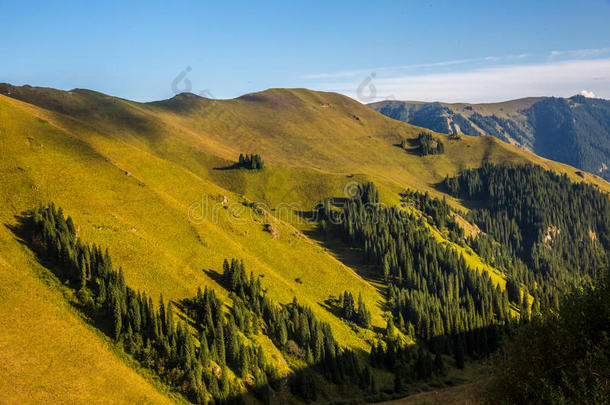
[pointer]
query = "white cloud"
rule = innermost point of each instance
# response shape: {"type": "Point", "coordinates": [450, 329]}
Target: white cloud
{"type": "Point", "coordinates": [561, 78]}
{"type": "Point", "coordinates": [360, 72]}
{"type": "Point", "coordinates": [588, 93]}
{"type": "Point", "coordinates": [580, 53]}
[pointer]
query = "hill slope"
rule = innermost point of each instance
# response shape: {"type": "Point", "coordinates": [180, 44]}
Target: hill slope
{"type": "Point", "coordinates": [572, 130]}
{"type": "Point", "coordinates": [137, 178]}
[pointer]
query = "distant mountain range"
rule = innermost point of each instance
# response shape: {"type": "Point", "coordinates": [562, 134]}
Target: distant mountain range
{"type": "Point", "coordinates": [573, 130]}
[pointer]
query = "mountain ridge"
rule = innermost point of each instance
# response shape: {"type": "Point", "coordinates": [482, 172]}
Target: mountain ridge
{"type": "Point", "coordinates": [573, 130]}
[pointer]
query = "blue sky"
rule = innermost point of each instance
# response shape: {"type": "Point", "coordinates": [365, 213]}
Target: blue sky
{"type": "Point", "coordinates": [419, 50]}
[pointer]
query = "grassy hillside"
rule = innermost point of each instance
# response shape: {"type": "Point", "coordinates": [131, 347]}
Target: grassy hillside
{"type": "Point", "coordinates": [135, 178]}
{"type": "Point", "coordinates": [48, 354]}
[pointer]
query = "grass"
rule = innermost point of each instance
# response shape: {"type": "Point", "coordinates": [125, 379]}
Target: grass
{"type": "Point", "coordinates": [48, 354]}
{"type": "Point", "coordinates": [129, 174]}
{"type": "Point", "coordinates": [465, 394]}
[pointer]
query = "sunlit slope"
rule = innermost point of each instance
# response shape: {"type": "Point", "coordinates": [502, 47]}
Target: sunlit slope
{"type": "Point", "coordinates": [332, 133]}
{"type": "Point", "coordinates": [138, 204]}
{"type": "Point", "coordinates": [290, 128]}
{"type": "Point", "coordinates": [47, 354]}
{"type": "Point", "coordinates": [325, 131]}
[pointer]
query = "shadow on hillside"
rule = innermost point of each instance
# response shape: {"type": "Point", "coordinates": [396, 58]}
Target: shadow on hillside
{"type": "Point", "coordinates": [316, 382]}
{"type": "Point", "coordinates": [322, 382]}
{"type": "Point", "coordinates": [214, 275]}
{"type": "Point", "coordinates": [411, 147]}
{"type": "Point", "coordinates": [469, 204]}
{"type": "Point", "coordinates": [24, 234]}
{"type": "Point", "coordinates": [332, 240]}
{"type": "Point", "coordinates": [234, 166]}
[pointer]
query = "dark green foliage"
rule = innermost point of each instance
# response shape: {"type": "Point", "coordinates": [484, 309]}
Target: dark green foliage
{"type": "Point", "coordinates": [459, 351]}
{"type": "Point", "coordinates": [292, 327]}
{"type": "Point", "coordinates": [560, 358]}
{"type": "Point", "coordinates": [552, 233]}
{"type": "Point", "coordinates": [408, 363]}
{"type": "Point", "coordinates": [250, 162]}
{"type": "Point", "coordinates": [348, 310]}
{"type": "Point", "coordinates": [428, 145]}
{"type": "Point", "coordinates": [147, 334]}
{"type": "Point", "coordinates": [303, 384]}
{"type": "Point", "coordinates": [430, 286]}
{"type": "Point", "coordinates": [155, 338]}
{"type": "Point", "coordinates": [437, 210]}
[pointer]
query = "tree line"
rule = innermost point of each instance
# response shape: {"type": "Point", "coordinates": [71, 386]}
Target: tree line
{"type": "Point", "coordinates": [434, 295]}
{"type": "Point", "coordinates": [295, 330]}
{"type": "Point", "coordinates": [347, 309]}
{"type": "Point", "coordinates": [196, 365]}
{"type": "Point", "coordinates": [206, 353]}
{"type": "Point", "coordinates": [438, 212]}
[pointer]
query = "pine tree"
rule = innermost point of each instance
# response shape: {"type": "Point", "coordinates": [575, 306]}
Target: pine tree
{"type": "Point", "coordinates": [83, 273]}
{"type": "Point", "coordinates": [204, 351]}
{"type": "Point", "coordinates": [219, 343]}
{"type": "Point", "coordinates": [439, 365]}
{"type": "Point", "coordinates": [390, 330]}
{"type": "Point", "coordinates": [118, 322]}
{"type": "Point", "coordinates": [459, 352]}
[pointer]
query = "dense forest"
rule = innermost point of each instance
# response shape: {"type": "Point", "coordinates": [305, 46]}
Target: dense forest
{"type": "Point", "coordinates": [434, 295]}
{"type": "Point", "coordinates": [207, 350]}
{"type": "Point", "coordinates": [196, 364]}
{"type": "Point", "coordinates": [561, 357]}
{"type": "Point", "coordinates": [544, 231]}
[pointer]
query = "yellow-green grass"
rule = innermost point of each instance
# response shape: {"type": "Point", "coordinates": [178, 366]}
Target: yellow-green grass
{"type": "Point", "coordinates": [47, 353]}
{"type": "Point", "coordinates": [143, 218]}
{"type": "Point", "coordinates": [289, 127]}
{"type": "Point", "coordinates": [129, 174]}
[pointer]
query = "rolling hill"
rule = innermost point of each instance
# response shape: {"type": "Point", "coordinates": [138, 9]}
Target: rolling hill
{"type": "Point", "coordinates": [574, 130]}
{"type": "Point", "coordinates": [154, 183]}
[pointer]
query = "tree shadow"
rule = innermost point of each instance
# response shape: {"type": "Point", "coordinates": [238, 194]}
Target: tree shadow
{"type": "Point", "coordinates": [234, 166]}
{"type": "Point", "coordinates": [351, 257]}
{"type": "Point", "coordinates": [314, 382]}
{"type": "Point", "coordinates": [23, 230]}
{"type": "Point", "coordinates": [469, 204]}
{"type": "Point", "coordinates": [411, 147]}
{"type": "Point", "coordinates": [24, 234]}
{"type": "Point", "coordinates": [214, 275]}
